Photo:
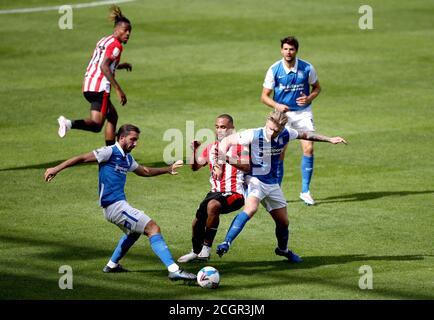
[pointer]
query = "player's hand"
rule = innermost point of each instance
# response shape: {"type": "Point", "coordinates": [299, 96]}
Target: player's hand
{"type": "Point", "coordinates": [49, 175]}
{"type": "Point", "coordinates": [217, 172]}
{"type": "Point", "coordinates": [125, 65]}
{"type": "Point", "coordinates": [195, 144]}
{"type": "Point", "coordinates": [122, 96]}
{"type": "Point", "coordinates": [281, 108]}
{"type": "Point", "coordinates": [336, 140]}
{"type": "Point", "coordinates": [177, 164]}
{"type": "Point", "coordinates": [302, 100]}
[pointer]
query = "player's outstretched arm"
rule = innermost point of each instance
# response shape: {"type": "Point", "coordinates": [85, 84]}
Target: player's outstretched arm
{"type": "Point", "coordinates": [151, 172]}
{"type": "Point", "coordinates": [50, 173]}
{"type": "Point", "coordinates": [312, 136]}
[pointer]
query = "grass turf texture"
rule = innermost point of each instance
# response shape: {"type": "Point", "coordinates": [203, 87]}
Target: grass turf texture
{"type": "Point", "coordinates": [193, 60]}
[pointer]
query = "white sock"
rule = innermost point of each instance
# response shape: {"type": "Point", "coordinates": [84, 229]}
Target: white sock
{"type": "Point", "coordinates": [68, 124]}
{"type": "Point", "coordinates": [173, 267]}
{"type": "Point", "coordinates": [112, 264]}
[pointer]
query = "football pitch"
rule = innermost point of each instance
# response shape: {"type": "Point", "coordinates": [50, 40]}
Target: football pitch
{"type": "Point", "coordinates": [193, 60]}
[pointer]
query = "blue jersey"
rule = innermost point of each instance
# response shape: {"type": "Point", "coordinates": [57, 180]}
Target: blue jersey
{"type": "Point", "coordinates": [114, 165]}
{"type": "Point", "coordinates": [265, 154]}
{"type": "Point", "coordinates": [289, 83]}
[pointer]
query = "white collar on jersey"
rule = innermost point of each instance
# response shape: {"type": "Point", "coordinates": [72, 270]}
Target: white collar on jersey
{"type": "Point", "coordinates": [120, 148]}
{"type": "Point", "coordinates": [293, 69]}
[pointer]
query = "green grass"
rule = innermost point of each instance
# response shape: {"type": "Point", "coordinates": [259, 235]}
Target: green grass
{"type": "Point", "coordinates": [191, 61]}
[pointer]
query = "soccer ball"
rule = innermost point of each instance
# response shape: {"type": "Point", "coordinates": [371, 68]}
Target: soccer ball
{"type": "Point", "coordinates": [208, 277]}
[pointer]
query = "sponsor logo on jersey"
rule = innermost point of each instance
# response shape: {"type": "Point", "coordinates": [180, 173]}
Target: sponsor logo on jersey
{"type": "Point", "coordinates": [116, 52]}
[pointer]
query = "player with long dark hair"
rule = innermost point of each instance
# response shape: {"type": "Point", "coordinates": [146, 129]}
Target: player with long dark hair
{"type": "Point", "coordinates": [100, 79]}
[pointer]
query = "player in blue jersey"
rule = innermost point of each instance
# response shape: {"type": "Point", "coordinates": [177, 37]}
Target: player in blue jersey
{"type": "Point", "coordinates": [291, 80]}
{"type": "Point", "coordinates": [115, 162]}
{"type": "Point", "coordinates": [266, 145]}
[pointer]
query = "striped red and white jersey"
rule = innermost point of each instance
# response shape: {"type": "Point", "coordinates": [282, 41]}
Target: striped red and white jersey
{"type": "Point", "coordinates": [232, 179]}
{"type": "Point", "coordinates": [94, 79]}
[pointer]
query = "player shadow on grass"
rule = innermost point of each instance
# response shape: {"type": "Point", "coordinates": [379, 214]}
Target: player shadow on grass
{"type": "Point", "coordinates": [45, 165]}
{"type": "Point", "coordinates": [51, 164]}
{"type": "Point", "coordinates": [280, 273]}
{"type": "Point", "coordinates": [364, 196]}
{"type": "Point", "coordinates": [61, 250]}
{"type": "Point", "coordinates": [309, 262]}
{"type": "Point", "coordinates": [276, 270]}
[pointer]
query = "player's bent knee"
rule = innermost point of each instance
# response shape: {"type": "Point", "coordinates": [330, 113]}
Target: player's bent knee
{"type": "Point", "coordinates": [214, 207]}
{"type": "Point", "coordinates": [308, 150]}
{"type": "Point", "coordinates": [151, 228]}
{"type": "Point", "coordinates": [250, 212]}
{"type": "Point", "coordinates": [283, 224]}
{"type": "Point", "coordinates": [96, 127]}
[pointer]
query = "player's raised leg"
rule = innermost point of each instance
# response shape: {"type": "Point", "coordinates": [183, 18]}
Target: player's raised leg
{"type": "Point", "coordinates": [110, 128]}
{"type": "Point", "coordinates": [64, 126]}
{"type": "Point", "coordinates": [100, 107]}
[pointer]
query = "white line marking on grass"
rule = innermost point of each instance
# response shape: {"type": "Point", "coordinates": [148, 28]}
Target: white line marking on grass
{"type": "Point", "coordinates": [74, 6]}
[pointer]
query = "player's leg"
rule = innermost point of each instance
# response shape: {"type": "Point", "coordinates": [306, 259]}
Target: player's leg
{"type": "Point", "coordinates": [160, 248]}
{"type": "Point", "coordinates": [198, 227]}
{"type": "Point", "coordinates": [198, 230]}
{"type": "Point", "coordinates": [224, 203]}
{"type": "Point", "coordinates": [237, 225]}
{"type": "Point", "coordinates": [306, 171]}
{"type": "Point", "coordinates": [280, 217]}
{"type": "Point", "coordinates": [275, 204]}
{"type": "Point", "coordinates": [212, 222]}
{"type": "Point", "coordinates": [94, 123]}
{"type": "Point", "coordinates": [110, 128]}
{"type": "Point", "coordinates": [124, 244]}
{"type": "Point", "coordinates": [98, 104]}
{"type": "Point", "coordinates": [130, 221]}
{"type": "Point", "coordinates": [305, 123]}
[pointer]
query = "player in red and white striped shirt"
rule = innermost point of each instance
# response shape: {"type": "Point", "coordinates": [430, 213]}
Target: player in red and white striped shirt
{"type": "Point", "coordinates": [100, 78]}
{"type": "Point", "coordinates": [226, 195]}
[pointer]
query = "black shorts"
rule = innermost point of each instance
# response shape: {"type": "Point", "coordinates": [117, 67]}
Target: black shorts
{"type": "Point", "coordinates": [100, 101]}
{"type": "Point", "coordinates": [230, 201]}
